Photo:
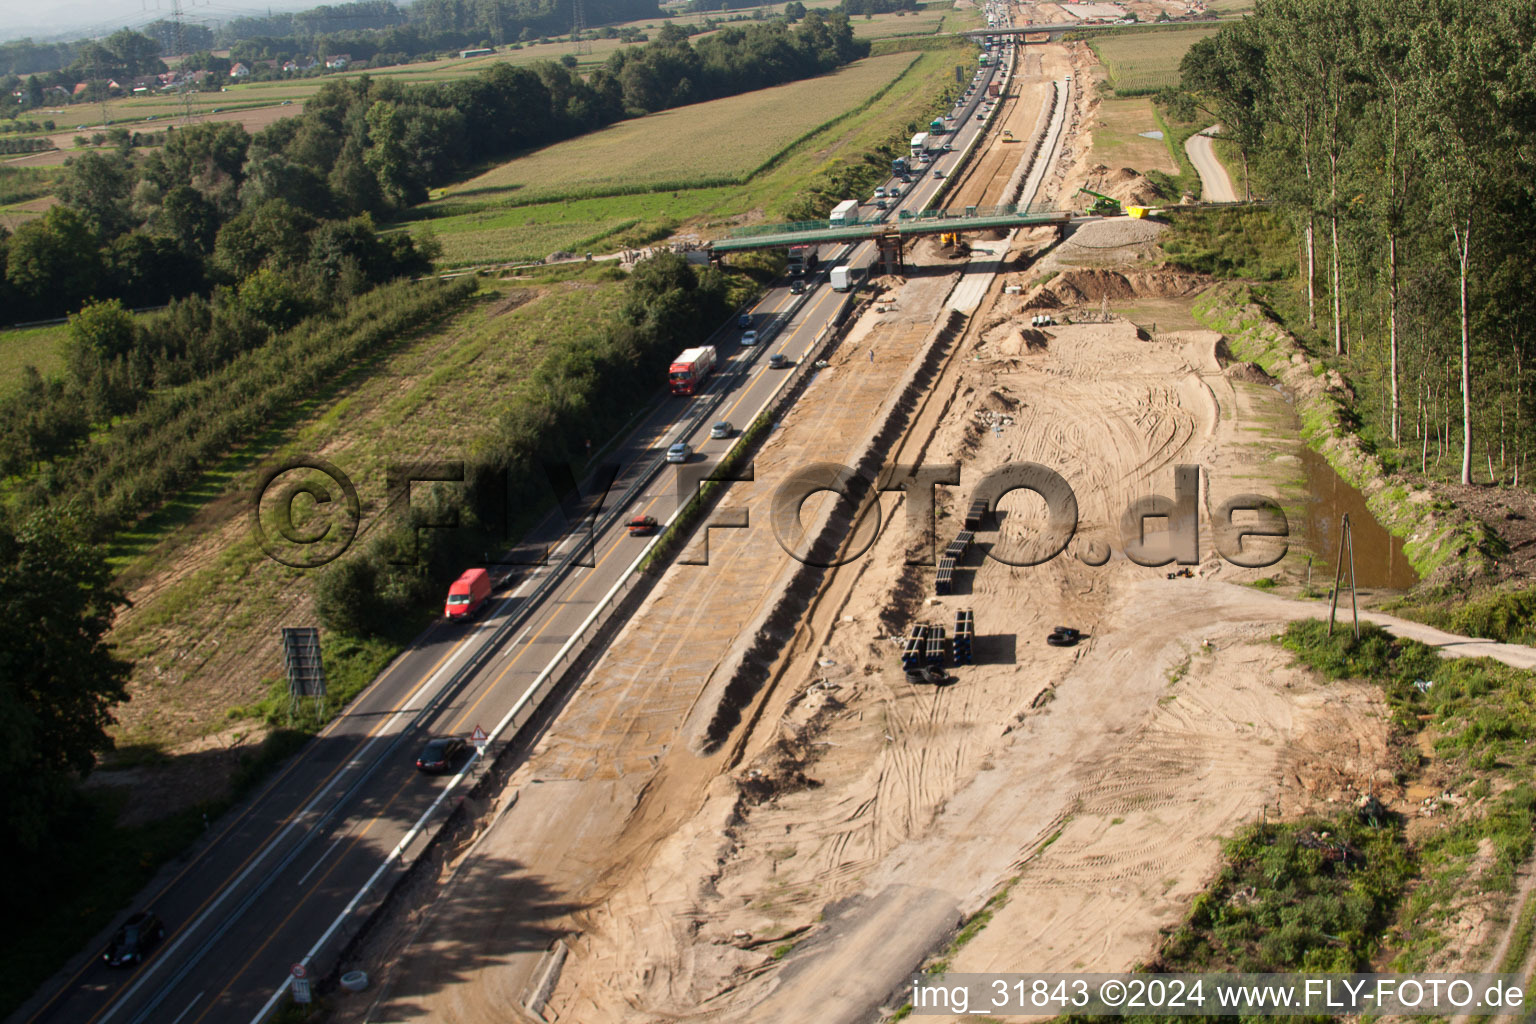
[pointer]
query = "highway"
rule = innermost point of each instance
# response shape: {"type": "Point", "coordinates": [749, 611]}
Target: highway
{"type": "Point", "coordinates": [283, 877]}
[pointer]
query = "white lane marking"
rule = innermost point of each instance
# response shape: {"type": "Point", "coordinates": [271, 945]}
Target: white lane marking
{"type": "Point", "coordinates": [188, 1010]}
{"type": "Point", "coordinates": [321, 859]}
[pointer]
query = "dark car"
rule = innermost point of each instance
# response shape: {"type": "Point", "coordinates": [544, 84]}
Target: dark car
{"type": "Point", "coordinates": [133, 941]}
{"type": "Point", "coordinates": [441, 754]}
{"type": "Point", "coordinates": [797, 287]}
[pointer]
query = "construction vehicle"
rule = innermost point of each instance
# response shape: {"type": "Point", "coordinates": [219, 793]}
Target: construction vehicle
{"type": "Point", "coordinates": [1102, 205]}
{"type": "Point", "coordinates": [951, 244]}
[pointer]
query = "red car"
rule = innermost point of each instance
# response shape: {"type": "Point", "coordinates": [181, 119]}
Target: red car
{"type": "Point", "coordinates": [640, 526]}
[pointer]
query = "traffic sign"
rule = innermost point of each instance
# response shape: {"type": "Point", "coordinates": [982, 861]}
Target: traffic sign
{"type": "Point", "coordinates": [479, 736]}
{"type": "Point", "coordinates": [301, 992]}
{"type": "Point", "coordinates": [299, 971]}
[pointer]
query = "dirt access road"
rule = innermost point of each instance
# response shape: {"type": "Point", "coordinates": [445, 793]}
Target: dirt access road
{"type": "Point", "coordinates": [1215, 183]}
{"type": "Point", "coordinates": [810, 844]}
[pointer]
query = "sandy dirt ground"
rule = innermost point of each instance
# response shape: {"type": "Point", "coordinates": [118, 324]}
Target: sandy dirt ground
{"type": "Point", "coordinates": [854, 819]}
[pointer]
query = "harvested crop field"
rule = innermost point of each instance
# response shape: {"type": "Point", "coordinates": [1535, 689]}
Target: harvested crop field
{"type": "Point", "coordinates": [1143, 62]}
{"type": "Point", "coordinates": [722, 141]}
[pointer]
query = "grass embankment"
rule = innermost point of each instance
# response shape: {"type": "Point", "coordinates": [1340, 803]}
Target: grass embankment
{"type": "Point", "coordinates": [670, 170]}
{"type": "Point", "coordinates": [1256, 246]}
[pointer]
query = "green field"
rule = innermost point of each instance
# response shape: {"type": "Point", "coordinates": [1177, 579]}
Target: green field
{"type": "Point", "coordinates": [482, 222]}
{"type": "Point", "coordinates": [900, 23]}
{"type": "Point", "coordinates": [1144, 62]}
{"type": "Point", "coordinates": [723, 141]}
{"type": "Point", "coordinates": [43, 347]}
{"type": "Point", "coordinates": [497, 233]}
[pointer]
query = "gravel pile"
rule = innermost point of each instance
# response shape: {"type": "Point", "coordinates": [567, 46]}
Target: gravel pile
{"type": "Point", "coordinates": [1113, 233]}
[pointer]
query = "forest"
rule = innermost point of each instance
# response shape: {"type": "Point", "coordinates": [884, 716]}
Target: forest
{"type": "Point", "coordinates": [1397, 138]}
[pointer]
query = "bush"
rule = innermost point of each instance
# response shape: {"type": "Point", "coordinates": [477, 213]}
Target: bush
{"type": "Point", "coordinates": [1315, 895]}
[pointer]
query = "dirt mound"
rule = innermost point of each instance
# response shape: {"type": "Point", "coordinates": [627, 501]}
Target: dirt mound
{"type": "Point", "coordinates": [1019, 342]}
{"type": "Point", "coordinates": [1091, 285]}
{"type": "Point", "coordinates": [1127, 185]}
{"type": "Point", "coordinates": [1253, 373]}
{"type": "Point", "coordinates": [1000, 400]}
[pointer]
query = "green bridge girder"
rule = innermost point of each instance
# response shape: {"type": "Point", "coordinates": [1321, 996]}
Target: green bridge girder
{"type": "Point", "coordinates": [929, 222]}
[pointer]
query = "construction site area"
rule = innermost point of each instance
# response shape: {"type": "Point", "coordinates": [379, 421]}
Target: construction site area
{"type": "Point", "coordinates": [749, 808]}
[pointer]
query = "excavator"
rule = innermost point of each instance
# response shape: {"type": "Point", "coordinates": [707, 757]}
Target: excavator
{"type": "Point", "coordinates": [1102, 205]}
{"type": "Point", "coordinates": [952, 245]}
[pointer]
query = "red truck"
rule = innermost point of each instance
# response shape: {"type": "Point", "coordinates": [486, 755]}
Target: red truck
{"type": "Point", "coordinates": [467, 595]}
{"type": "Point", "coordinates": [690, 368]}
{"type": "Point", "coordinates": [993, 89]}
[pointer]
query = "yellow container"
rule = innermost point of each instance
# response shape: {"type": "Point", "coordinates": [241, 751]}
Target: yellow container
{"type": "Point", "coordinates": [1137, 211]}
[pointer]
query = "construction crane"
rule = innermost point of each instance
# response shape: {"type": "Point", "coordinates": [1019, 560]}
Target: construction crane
{"type": "Point", "coordinates": [1102, 205]}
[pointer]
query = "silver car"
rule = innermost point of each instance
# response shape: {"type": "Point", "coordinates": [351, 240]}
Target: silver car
{"type": "Point", "coordinates": [722, 429]}
{"type": "Point", "coordinates": [679, 452]}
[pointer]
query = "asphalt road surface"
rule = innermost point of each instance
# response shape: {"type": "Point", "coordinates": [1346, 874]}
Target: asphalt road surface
{"type": "Point", "coordinates": [282, 877]}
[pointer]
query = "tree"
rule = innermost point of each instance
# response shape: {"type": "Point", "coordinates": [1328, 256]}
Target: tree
{"type": "Point", "coordinates": [1466, 137]}
{"type": "Point", "coordinates": [53, 262]}
{"type": "Point", "coordinates": [98, 184]}
{"type": "Point", "coordinates": [59, 679]}
{"type": "Point", "coordinates": [274, 299]}
{"type": "Point", "coordinates": [387, 157]}
{"type": "Point", "coordinates": [101, 333]}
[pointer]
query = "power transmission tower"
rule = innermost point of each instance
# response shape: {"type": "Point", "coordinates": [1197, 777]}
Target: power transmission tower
{"type": "Point", "coordinates": [183, 84]}
{"type": "Point", "coordinates": [579, 27]}
{"type": "Point", "coordinates": [101, 81]}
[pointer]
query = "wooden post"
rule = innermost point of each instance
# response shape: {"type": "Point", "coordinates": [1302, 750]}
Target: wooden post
{"type": "Point", "coordinates": [1346, 538]}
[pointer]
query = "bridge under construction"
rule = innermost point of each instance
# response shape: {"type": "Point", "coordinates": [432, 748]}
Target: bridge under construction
{"type": "Point", "coordinates": [887, 234]}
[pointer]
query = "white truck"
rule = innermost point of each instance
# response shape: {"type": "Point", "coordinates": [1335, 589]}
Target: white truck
{"type": "Point", "coordinates": [845, 212]}
{"type": "Point", "coordinates": [919, 144]}
{"type": "Point", "coordinates": [846, 278]}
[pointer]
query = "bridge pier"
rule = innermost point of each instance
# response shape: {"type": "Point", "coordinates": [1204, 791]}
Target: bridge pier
{"type": "Point", "coordinates": [890, 252]}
